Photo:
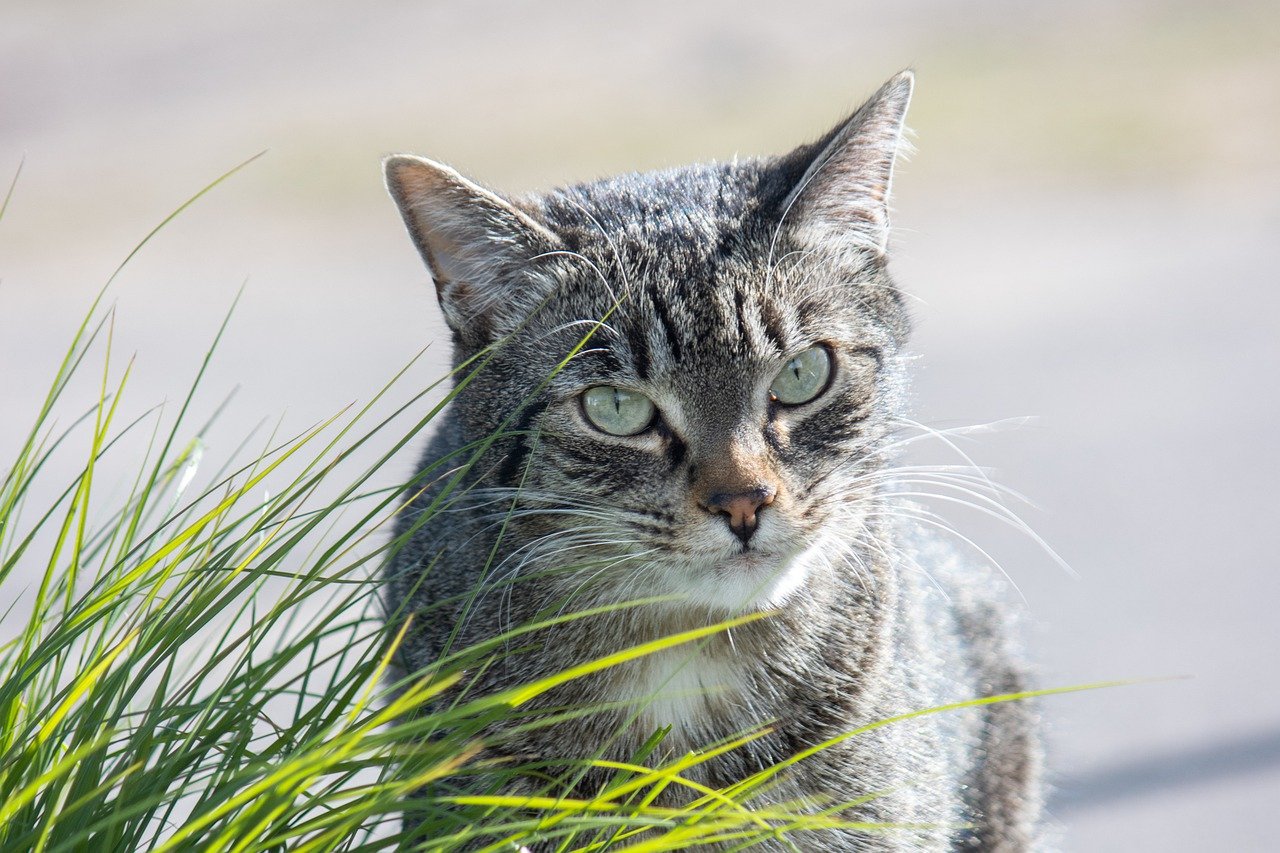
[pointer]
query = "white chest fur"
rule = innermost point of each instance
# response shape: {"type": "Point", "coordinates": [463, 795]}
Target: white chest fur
{"type": "Point", "coordinates": [683, 688]}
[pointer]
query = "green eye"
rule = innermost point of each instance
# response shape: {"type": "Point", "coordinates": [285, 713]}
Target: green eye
{"type": "Point", "coordinates": [804, 377]}
{"type": "Point", "coordinates": [617, 411]}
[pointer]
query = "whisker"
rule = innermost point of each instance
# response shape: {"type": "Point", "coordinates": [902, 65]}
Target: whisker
{"type": "Point", "coordinates": [1002, 514]}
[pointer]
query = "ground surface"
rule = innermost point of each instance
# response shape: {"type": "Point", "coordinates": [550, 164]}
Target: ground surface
{"type": "Point", "coordinates": [1089, 224]}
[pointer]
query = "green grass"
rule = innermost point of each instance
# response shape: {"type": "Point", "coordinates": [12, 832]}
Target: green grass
{"type": "Point", "coordinates": [204, 667]}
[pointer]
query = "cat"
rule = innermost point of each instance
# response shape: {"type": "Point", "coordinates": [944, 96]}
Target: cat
{"type": "Point", "coordinates": [700, 372]}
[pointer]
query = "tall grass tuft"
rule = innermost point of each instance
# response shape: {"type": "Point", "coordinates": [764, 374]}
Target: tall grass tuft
{"type": "Point", "coordinates": [202, 665]}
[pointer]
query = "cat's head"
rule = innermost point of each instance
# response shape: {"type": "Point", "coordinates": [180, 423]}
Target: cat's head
{"type": "Point", "coordinates": [717, 435]}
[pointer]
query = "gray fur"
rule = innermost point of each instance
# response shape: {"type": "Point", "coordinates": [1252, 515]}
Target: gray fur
{"type": "Point", "coordinates": [709, 278]}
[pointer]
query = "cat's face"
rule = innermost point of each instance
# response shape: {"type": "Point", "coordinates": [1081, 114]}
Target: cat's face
{"type": "Point", "coordinates": [734, 367]}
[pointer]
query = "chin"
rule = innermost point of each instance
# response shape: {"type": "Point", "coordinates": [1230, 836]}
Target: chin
{"type": "Point", "coordinates": [751, 581]}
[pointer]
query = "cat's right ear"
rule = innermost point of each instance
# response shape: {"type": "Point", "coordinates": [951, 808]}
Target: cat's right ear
{"type": "Point", "coordinates": [477, 246]}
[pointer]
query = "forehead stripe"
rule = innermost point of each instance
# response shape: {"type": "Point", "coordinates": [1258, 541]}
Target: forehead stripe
{"type": "Point", "coordinates": [739, 303]}
{"type": "Point", "coordinates": [639, 351]}
{"type": "Point", "coordinates": [668, 327]}
{"type": "Point", "coordinates": [773, 326]}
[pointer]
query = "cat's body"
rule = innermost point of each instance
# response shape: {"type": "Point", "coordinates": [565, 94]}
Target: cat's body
{"type": "Point", "coordinates": [723, 290]}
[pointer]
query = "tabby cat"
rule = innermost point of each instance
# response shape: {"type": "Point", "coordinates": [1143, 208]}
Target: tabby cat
{"type": "Point", "coordinates": [698, 377]}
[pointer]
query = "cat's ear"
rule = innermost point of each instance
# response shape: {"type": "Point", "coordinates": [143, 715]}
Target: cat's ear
{"type": "Point", "coordinates": [841, 199]}
{"type": "Point", "coordinates": [477, 246]}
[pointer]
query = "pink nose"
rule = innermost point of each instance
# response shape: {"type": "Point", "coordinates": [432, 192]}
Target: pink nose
{"type": "Point", "coordinates": [740, 509]}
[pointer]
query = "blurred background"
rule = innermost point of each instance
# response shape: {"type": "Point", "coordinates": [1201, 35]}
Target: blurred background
{"type": "Point", "coordinates": [1090, 226]}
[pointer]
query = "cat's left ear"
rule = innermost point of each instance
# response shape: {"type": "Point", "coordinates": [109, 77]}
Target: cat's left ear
{"type": "Point", "coordinates": [841, 200]}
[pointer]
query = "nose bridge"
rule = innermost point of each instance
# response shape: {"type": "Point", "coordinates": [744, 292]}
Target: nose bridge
{"type": "Point", "coordinates": [733, 477]}
{"type": "Point", "coordinates": [730, 456]}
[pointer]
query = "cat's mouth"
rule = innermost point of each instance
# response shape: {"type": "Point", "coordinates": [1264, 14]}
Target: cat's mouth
{"type": "Point", "coordinates": [753, 579]}
{"type": "Point", "coordinates": [753, 559]}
